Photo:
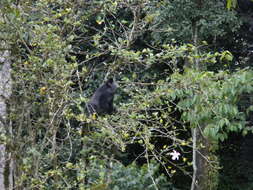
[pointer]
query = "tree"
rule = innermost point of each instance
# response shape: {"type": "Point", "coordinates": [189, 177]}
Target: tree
{"type": "Point", "coordinates": [62, 52]}
{"type": "Point", "coordinates": [6, 160]}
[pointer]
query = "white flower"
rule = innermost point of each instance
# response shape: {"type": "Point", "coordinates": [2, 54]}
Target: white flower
{"type": "Point", "coordinates": [175, 155]}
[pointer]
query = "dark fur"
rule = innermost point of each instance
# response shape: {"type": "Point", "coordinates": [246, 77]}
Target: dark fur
{"type": "Point", "coordinates": [102, 100]}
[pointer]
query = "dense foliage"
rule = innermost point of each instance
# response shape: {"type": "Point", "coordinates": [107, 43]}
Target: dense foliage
{"type": "Point", "coordinates": [172, 79]}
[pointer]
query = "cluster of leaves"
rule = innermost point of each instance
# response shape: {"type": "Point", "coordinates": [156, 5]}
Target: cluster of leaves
{"type": "Point", "coordinates": [117, 176]}
{"type": "Point", "coordinates": [212, 100]}
{"type": "Point", "coordinates": [210, 16]}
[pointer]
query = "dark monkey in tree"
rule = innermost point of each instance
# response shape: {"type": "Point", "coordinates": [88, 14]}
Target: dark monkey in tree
{"type": "Point", "coordinates": [102, 100]}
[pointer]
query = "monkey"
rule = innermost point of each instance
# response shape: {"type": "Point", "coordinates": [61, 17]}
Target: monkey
{"type": "Point", "coordinates": [102, 100]}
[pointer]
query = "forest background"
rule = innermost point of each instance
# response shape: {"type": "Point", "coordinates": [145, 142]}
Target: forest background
{"type": "Point", "coordinates": [184, 69]}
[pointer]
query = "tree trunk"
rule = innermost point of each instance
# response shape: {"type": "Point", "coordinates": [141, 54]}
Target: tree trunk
{"type": "Point", "coordinates": [6, 162]}
{"type": "Point", "coordinates": [200, 179]}
{"type": "Point", "coordinates": [201, 144]}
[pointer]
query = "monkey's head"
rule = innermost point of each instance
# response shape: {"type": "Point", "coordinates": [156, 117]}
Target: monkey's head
{"type": "Point", "coordinates": [112, 85]}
